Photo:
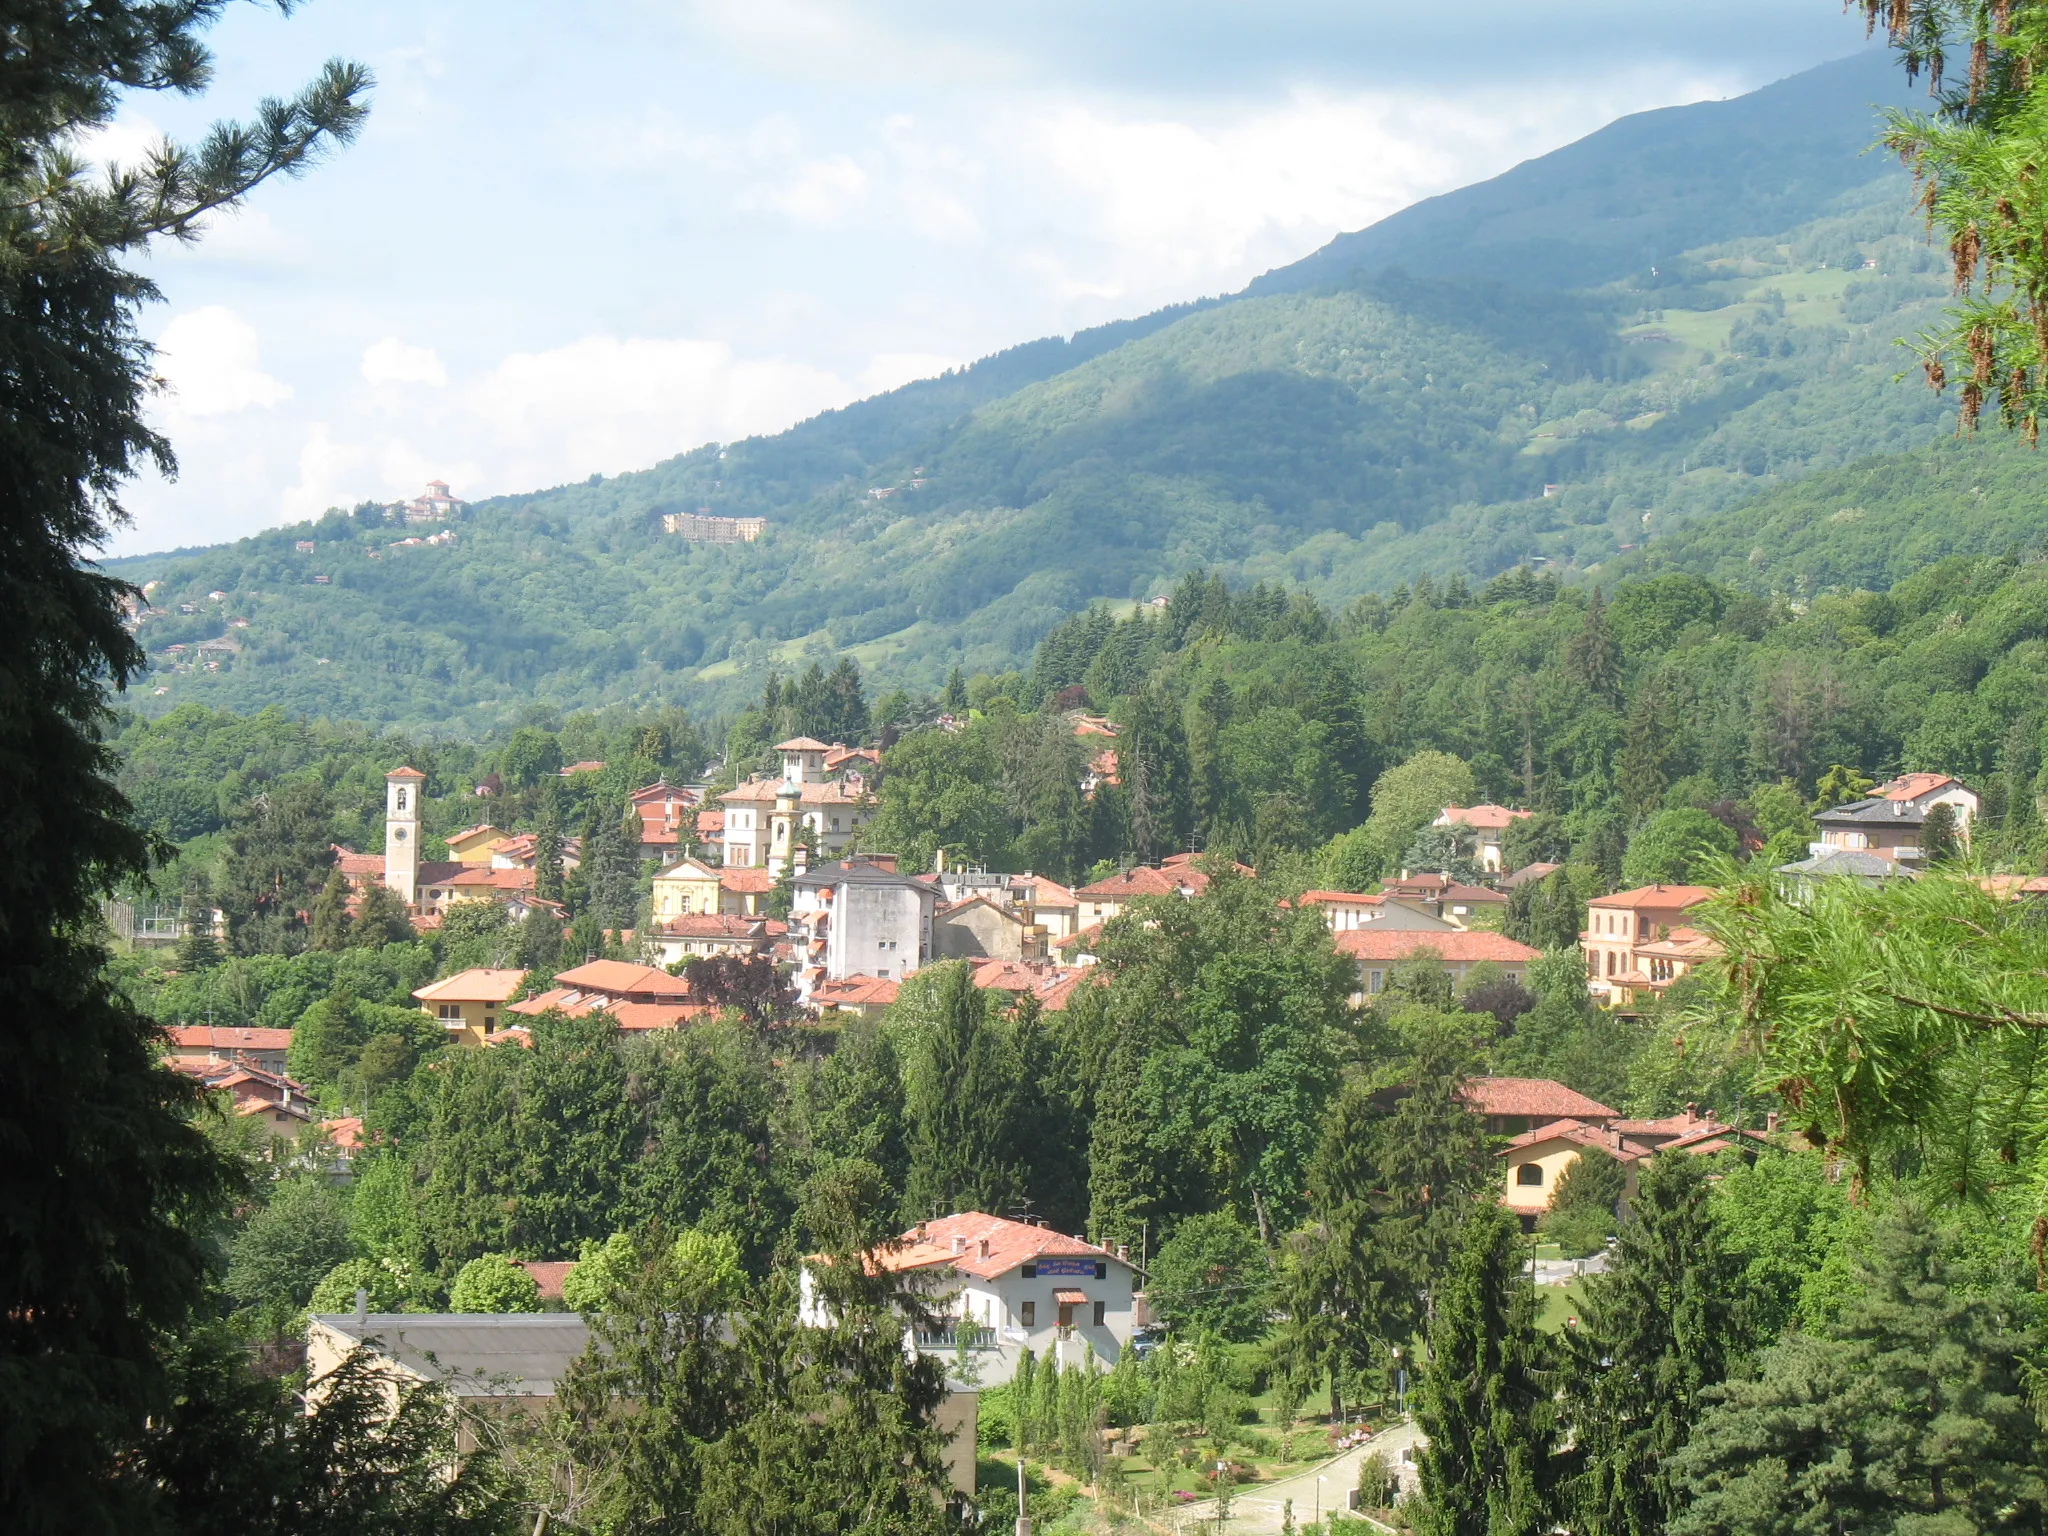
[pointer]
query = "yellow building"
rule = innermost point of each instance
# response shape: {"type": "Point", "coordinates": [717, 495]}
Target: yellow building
{"type": "Point", "coordinates": [686, 889]}
{"type": "Point", "coordinates": [469, 1004]}
{"type": "Point", "coordinates": [473, 845]}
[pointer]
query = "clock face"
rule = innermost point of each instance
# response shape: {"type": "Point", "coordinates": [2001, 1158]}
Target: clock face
{"type": "Point", "coordinates": [398, 833]}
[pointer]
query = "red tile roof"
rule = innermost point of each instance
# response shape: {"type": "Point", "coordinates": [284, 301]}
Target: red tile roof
{"type": "Point", "coordinates": [746, 881]}
{"type": "Point", "coordinates": [345, 1133]}
{"type": "Point", "coordinates": [710, 823]}
{"type": "Point", "coordinates": [630, 1017]}
{"type": "Point", "coordinates": [720, 925]}
{"type": "Point", "coordinates": [1676, 896]}
{"type": "Point", "coordinates": [1456, 948]}
{"type": "Point", "coordinates": [855, 992]}
{"type": "Point", "coordinates": [1619, 1147]}
{"type": "Point", "coordinates": [220, 1037]}
{"type": "Point", "coordinates": [1333, 898]}
{"type": "Point", "coordinates": [1041, 892]}
{"type": "Point", "coordinates": [624, 979]}
{"type": "Point", "coordinates": [1911, 786]}
{"type": "Point", "coordinates": [1537, 1097]}
{"type": "Point", "coordinates": [802, 744]}
{"type": "Point", "coordinates": [548, 1274]}
{"type": "Point", "coordinates": [1143, 881]}
{"type": "Point", "coordinates": [476, 877]}
{"type": "Point", "coordinates": [956, 1242]}
{"type": "Point", "coordinates": [480, 985]}
{"type": "Point", "coordinates": [405, 773]}
{"type": "Point", "coordinates": [1488, 817]}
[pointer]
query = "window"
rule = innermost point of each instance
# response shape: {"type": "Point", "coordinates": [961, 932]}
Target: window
{"type": "Point", "coordinates": [401, 797]}
{"type": "Point", "coordinates": [1375, 980]}
{"type": "Point", "coordinates": [1030, 1271]}
{"type": "Point", "coordinates": [1066, 1314]}
{"type": "Point", "coordinates": [1610, 962]}
{"type": "Point", "coordinates": [1098, 1313]}
{"type": "Point", "coordinates": [489, 1023]}
{"type": "Point", "coordinates": [1027, 1313]}
{"type": "Point", "coordinates": [1102, 1271]}
{"type": "Point", "coordinates": [1529, 1173]}
{"type": "Point", "coordinates": [451, 1013]}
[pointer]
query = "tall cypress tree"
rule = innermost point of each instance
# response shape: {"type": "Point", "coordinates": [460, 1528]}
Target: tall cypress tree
{"type": "Point", "coordinates": [1485, 1398]}
{"type": "Point", "coordinates": [330, 912]}
{"type": "Point", "coordinates": [961, 1109]}
{"type": "Point", "coordinates": [105, 1185]}
{"type": "Point", "coordinates": [1120, 1163]}
{"type": "Point", "coordinates": [1656, 1331]}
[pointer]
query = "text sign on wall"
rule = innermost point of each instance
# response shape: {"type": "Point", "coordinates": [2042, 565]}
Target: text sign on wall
{"type": "Point", "coordinates": [1081, 1267]}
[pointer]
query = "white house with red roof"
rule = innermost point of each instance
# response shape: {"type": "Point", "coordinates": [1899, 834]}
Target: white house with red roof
{"type": "Point", "coordinates": [1002, 1287]}
{"type": "Point", "coordinates": [1488, 825]}
{"type": "Point", "coordinates": [1889, 822]}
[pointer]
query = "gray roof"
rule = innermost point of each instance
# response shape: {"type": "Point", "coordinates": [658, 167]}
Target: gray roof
{"type": "Point", "coordinates": [521, 1354]}
{"type": "Point", "coordinates": [1900, 813]}
{"type": "Point", "coordinates": [1847, 861]}
{"type": "Point", "coordinates": [855, 873]}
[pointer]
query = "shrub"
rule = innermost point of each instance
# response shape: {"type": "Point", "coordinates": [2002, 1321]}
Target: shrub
{"type": "Point", "coordinates": [493, 1283]}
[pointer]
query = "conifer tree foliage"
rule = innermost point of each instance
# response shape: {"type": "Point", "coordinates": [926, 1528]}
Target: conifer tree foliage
{"type": "Point", "coordinates": [105, 1182]}
{"type": "Point", "coordinates": [961, 1107]}
{"type": "Point", "coordinates": [1485, 1395]}
{"type": "Point", "coordinates": [1912, 1412]}
{"type": "Point", "coordinates": [1656, 1331]}
{"type": "Point", "coordinates": [1974, 159]}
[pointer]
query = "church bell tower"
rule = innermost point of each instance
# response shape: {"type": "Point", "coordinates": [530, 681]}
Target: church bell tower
{"type": "Point", "coordinates": [402, 832]}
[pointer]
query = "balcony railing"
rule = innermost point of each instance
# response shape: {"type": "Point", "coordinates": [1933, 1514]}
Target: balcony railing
{"type": "Point", "coordinates": [957, 1336]}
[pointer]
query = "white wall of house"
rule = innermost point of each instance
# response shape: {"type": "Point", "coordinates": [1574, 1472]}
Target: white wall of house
{"type": "Point", "coordinates": [878, 930]}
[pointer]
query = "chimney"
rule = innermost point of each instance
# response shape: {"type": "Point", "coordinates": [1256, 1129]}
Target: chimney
{"type": "Point", "coordinates": [1123, 1252]}
{"type": "Point", "coordinates": [959, 1243]}
{"type": "Point", "coordinates": [984, 1248]}
{"type": "Point", "coordinates": [923, 1232]}
{"type": "Point", "coordinates": [1692, 1113]}
{"type": "Point", "coordinates": [1771, 1123]}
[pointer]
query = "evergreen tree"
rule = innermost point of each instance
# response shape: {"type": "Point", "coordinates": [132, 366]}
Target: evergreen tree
{"type": "Point", "coordinates": [279, 849]}
{"type": "Point", "coordinates": [547, 860]}
{"type": "Point", "coordinates": [1433, 1156]}
{"type": "Point", "coordinates": [540, 941]}
{"type": "Point", "coordinates": [1344, 1306]}
{"type": "Point", "coordinates": [960, 1108]}
{"type": "Point", "coordinates": [381, 919]}
{"type": "Point", "coordinates": [1593, 658]}
{"type": "Point", "coordinates": [1120, 1197]}
{"type": "Point", "coordinates": [331, 920]}
{"type": "Point", "coordinates": [954, 700]}
{"type": "Point", "coordinates": [1152, 762]}
{"type": "Point", "coordinates": [1655, 1332]}
{"type": "Point", "coordinates": [1911, 1413]}
{"type": "Point", "coordinates": [197, 947]}
{"type": "Point", "coordinates": [1484, 1399]}
{"type": "Point", "coordinates": [1939, 840]}
{"type": "Point", "coordinates": [108, 1185]}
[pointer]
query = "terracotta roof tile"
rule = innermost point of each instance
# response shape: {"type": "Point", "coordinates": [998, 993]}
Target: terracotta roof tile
{"type": "Point", "coordinates": [1677, 896]}
{"type": "Point", "coordinates": [1454, 948]}
{"type": "Point", "coordinates": [1536, 1097]}
{"type": "Point", "coordinates": [956, 1242]}
{"type": "Point", "coordinates": [481, 985]}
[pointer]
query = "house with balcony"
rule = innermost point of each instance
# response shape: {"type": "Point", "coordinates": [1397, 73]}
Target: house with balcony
{"type": "Point", "coordinates": [470, 1004]}
{"type": "Point", "coordinates": [1618, 928]}
{"type": "Point", "coordinates": [997, 1287]}
{"type": "Point", "coordinates": [1889, 822]}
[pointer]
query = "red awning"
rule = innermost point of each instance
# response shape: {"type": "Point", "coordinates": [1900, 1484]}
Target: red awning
{"type": "Point", "coordinates": [1070, 1298]}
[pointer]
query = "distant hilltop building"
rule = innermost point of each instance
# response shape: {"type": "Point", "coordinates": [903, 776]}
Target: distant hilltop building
{"type": "Point", "coordinates": [700, 527]}
{"type": "Point", "coordinates": [433, 505]}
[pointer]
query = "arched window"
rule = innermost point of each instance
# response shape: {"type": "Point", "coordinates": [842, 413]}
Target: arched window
{"type": "Point", "coordinates": [1529, 1173]}
{"type": "Point", "coordinates": [401, 797]}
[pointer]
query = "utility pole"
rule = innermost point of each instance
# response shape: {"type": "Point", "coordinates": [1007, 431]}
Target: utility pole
{"type": "Point", "coordinates": [1023, 1515]}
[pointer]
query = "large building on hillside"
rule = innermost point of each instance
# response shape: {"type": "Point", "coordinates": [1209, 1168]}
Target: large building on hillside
{"type": "Point", "coordinates": [766, 819]}
{"type": "Point", "coordinates": [860, 917]}
{"type": "Point", "coordinates": [1888, 823]}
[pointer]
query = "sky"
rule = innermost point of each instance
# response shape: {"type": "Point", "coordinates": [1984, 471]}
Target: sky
{"type": "Point", "coordinates": [581, 239]}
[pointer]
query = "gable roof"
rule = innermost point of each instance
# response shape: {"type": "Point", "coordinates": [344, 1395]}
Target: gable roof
{"type": "Point", "coordinates": [1488, 817]}
{"type": "Point", "coordinates": [1529, 872]}
{"type": "Point", "coordinates": [623, 977]}
{"type": "Point", "coordinates": [1143, 880]}
{"type": "Point", "coordinates": [1657, 896]}
{"type": "Point", "coordinates": [221, 1037]}
{"type": "Point", "coordinates": [802, 744]}
{"type": "Point", "coordinates": [1457, 947]}
{"type": "Point", "coordinates": [713, 925]}
{"type": "Point", "coordinates": [955, 1242]}
{"type": "Point", "coordinates": [855, 992]}
{"type": "Point", "coordinates": [690, 869]}
{"type": "Point", "coordinates": [748, 880]}
{"type": "Point", "coordinates": [405, 773]}
{"type": "Point", "coordinates": [518, 1354]}
{"type": "Point", "coordinates": [1537, 1097]}
{"type": "Point", "coordinates": [1911, 786]}
{"type": "Point", "coordinates": [479, 985]}
{"type": "Point", "coordinates": [1623, 1149]}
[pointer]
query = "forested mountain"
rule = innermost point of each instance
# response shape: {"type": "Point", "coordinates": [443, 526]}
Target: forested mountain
{"type": "Point", "coordinates": [1713, 322]}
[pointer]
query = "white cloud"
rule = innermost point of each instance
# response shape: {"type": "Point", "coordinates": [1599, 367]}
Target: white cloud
{"type": "Point", "coordinates": [208, 359]}
{"type": "Point", "coordinates": [392, 361]}
{"type": "Point", "coordinates": [816, 193]}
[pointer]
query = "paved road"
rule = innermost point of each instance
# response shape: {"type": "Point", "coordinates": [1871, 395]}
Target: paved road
{"type": "Point", "coordinates": [1259, 1507]}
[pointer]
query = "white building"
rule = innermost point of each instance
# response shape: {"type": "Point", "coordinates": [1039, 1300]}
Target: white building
{"type": "Point", "coordinates": [860, 918]}
{"type": "Point", "coordinates": [1001, 1287]}
{"type": "Point", "coordinates": [1488, 825]}
{"type": "Point", "coordinates": [765, 817]}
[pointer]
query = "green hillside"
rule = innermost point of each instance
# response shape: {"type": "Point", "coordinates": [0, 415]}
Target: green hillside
{"type": "Point", "coordinates": [1346, 434]}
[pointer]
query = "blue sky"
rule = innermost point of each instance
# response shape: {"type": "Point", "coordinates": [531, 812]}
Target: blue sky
{"type": "Point", "coordinates": [579, 239]}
